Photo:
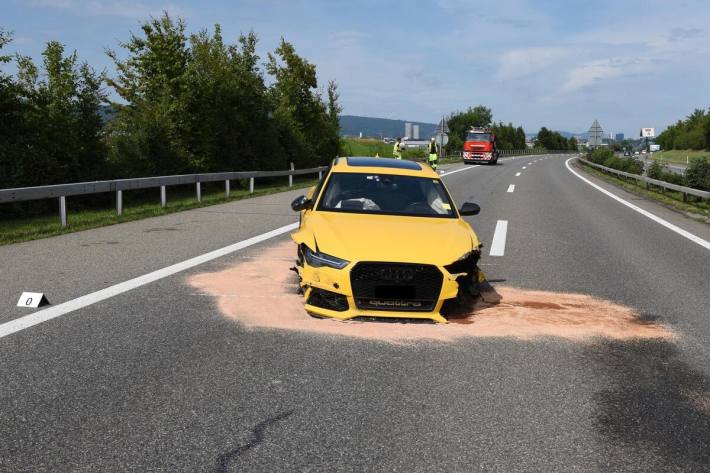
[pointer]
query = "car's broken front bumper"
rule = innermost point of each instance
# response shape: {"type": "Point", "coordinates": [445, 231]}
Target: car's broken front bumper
{"type": "Point", "coordinates": [378, 289]}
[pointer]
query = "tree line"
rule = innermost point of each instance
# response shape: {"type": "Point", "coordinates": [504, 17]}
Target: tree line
{"type": "Point", "coordinates": [553, 140]}
{"type": "Point", "coordinates": [186, 103]}
{"type": "Point", "coordinates": [508, 136]}
{"type": "Point", "coordinates": [691, 133]}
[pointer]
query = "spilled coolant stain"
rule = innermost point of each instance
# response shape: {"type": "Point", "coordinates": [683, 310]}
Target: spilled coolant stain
{"type": "Point", "coordinates": [261, 293]}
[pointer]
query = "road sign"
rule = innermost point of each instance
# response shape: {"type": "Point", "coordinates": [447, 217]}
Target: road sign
{"type": "Point", "coordinates": [441, 139]}
{"type": "Point", "coordinates": [596, 134]}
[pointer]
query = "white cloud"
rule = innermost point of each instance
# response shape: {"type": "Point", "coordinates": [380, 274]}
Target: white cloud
{"type": "Point", "coordinates": [519, 63]}
{"type": "Point", "coordinates": [594, 72]}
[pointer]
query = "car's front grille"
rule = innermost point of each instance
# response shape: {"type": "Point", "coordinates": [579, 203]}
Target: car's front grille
{"type": "Point", "coordinates": [396, 286]}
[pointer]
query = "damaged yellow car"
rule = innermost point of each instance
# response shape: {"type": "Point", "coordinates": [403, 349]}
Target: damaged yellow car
{"type": "Point", "coordinates": [381, 237]}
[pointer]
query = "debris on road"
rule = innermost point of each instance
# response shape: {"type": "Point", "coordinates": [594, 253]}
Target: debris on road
{"type": "Point", "coordinates": [262, 293]}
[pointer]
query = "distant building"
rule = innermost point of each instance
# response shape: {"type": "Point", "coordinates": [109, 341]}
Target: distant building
{"type": "Point", "coordinates": [619, 137]}
{"type": "Point", "coordinates": [408, 130]}
{"type": "Point", "coordinates": [415, 132]}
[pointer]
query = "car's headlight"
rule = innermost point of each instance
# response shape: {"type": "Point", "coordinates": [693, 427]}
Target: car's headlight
{"type": "Point", "coordinates": [318, 259]}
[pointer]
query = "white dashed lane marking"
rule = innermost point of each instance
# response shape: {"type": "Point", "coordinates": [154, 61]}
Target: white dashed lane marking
{"type": "Point", "coordinates": [499, 236]}
{"type": "Point", "coordinates": [511, 188]}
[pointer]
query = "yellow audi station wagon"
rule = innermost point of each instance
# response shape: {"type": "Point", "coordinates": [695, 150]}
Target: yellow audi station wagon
{"type": "Point", "coordinates": [382, 237]}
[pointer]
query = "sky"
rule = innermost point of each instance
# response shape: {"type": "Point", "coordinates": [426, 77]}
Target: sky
{"type": "Point", "coordinates": [555, 63]}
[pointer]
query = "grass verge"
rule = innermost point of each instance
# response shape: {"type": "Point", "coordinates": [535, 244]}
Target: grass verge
{"type": "Point", "coordinates": [699, 211]}
{"type": "Point", "coordinates": [678, 156]}
{"type": "Point", "coordinates": [19, 230]}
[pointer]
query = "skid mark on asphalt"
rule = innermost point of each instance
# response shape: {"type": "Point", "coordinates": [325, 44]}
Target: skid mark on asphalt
{"type": "Point", "coordinates": [653, 401]}
{"type": "Point", "coordinates": [257, 437]}
{"type": "Point", "coordinates": [262, 294]}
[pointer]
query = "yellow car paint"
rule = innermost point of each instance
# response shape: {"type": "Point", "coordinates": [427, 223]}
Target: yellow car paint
{"type": "Point", "coordinates": [362, 237]}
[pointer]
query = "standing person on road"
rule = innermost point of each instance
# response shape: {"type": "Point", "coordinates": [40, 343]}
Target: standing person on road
{"type": "Point", "coordinates": [433, 154]}
{"type": "Point", "coordinates": [397, 151]}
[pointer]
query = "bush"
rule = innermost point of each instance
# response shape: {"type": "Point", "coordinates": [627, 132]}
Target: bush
{"type": "Point", "coordinates": [656, 170]}
{"type": "Point", "coordinates": [633, 166]}
{"type": "Point", "coordinates": [697, 174]}
{"type": "Point", "coordinates": [600, 155]}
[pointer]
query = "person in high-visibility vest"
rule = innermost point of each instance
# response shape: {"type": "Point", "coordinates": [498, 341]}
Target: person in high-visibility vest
{"type": "Point", "coordinates": [433, 155]}
{"type": "Point", "coordinates": [397, 151]}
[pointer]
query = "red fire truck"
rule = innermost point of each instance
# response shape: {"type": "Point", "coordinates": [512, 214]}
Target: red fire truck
{"type": "Point", "coordinates": [480, 147]}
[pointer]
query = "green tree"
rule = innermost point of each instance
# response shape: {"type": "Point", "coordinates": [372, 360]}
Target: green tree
{"type": "Point", "coordinates": [228, 105]}
{"type": "Point", "coordinates": [508, 136]}
{"type": "Point", "coordinates": [302, 116]}
{"type": "Point", "coordinates": [13, 126]}
{"type": "Point", "coordinates": [552, 140]}
{"type": "Point", "coordinates": [691, 133]}
{"type": "Point", "coordinates": [148, 131]}
{"type": "Point", "coordinates": [62, 139]}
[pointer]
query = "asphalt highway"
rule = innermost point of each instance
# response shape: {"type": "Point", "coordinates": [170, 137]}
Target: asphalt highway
{"type": "Point", "coordinates": [153, 377]}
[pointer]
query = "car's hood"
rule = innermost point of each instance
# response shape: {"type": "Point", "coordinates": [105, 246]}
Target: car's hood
{"type": "Point", "coordinates": [358, 237]}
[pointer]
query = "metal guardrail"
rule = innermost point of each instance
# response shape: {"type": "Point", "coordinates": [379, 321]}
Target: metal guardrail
{"type": "Point", "coordinates": [62, 191]}
{"type": "Point", "coordinates": [662, 184]}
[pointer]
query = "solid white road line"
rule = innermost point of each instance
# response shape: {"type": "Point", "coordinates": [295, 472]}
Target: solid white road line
{"type": "Point", "coordinates": [459, 170]}
{"type": "Point", "coordinates": [511, 188]}
{"type": "Point", "coordinates": [498, 245]}
{"type": "Point", "coordinates": [695, 239]}
{"type": "Point", "coordinates": [50, 313]}
{"type": "Point", "coordinates": [517, 174]}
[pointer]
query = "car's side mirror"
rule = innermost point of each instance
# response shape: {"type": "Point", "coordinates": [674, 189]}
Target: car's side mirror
{"type": "Point", "coordinates": [469, 208]}
{"type": "Point", "coordinates": [301, 203]}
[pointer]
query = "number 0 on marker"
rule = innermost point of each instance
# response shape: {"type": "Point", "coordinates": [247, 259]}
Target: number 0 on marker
{"type": "Point", "coordinates": [32, 299]}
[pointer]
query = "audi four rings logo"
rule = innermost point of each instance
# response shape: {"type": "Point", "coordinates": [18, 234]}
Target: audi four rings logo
{"type": "Point", "coordinates": [396, 274]}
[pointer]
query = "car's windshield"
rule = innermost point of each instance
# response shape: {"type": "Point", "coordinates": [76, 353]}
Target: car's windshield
{"type": "Point", "coordinates": [386, 194]}
{"type": "Point", "coordinates": [478, 137]}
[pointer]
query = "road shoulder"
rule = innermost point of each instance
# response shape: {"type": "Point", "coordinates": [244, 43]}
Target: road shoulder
{"type": "Point", "coordinates": [672, 215]}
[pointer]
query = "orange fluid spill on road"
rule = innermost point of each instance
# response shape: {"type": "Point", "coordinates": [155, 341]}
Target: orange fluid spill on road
{"type": "Point", "coordinates": [261, 293]}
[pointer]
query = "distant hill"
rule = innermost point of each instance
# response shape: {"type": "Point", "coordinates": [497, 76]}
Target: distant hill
{"type": "Point", "coordinates": [352, 125]}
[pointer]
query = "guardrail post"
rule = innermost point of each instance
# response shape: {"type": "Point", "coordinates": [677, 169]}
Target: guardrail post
{"type": "Point", "coordinates": [685, 197]}
{"type": "Point", "coordinates": [320, 175]}
{"type": "Point", "coordinates": [119, 203]}
{"type": "Point", "coordinates": [290, 177]}
{"type": "Point", "coordinates": [198, 189]}
{"type": "Point", "coordinates": [63, 210]}
{"type": "Point", "coordinates": [226, 188]}
{"type": "Point", "coordinates": [163, 200]}
{"type": "Point", "coordinates": [251, 185]}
